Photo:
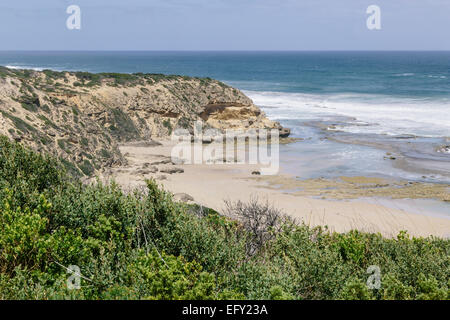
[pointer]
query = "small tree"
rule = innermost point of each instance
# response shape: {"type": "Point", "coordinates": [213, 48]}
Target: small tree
{"type": "Point", "coordinates": [260, 219]}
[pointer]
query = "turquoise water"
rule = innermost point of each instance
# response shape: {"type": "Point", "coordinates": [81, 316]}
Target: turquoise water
{"type": "Point", "coordinates": [369, 95]}
{"type": "Point", "coordinates": [407, 74]}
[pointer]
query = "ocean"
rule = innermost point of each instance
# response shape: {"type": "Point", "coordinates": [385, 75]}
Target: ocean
{"type": "Point", "coordinates": [351, 108]}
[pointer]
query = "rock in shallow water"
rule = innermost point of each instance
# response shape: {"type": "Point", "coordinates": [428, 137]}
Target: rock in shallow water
{"type": "Point", "coordinates": [444, 149]}
{"type": "Point", "coordinates": [284, 132]}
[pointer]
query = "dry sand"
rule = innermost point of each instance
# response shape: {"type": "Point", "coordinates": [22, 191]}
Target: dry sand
{"type": "Point", "coordinates": [210, 185]}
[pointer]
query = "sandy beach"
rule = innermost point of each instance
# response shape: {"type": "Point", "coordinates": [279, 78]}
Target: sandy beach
{"type": "Point", "coordinates": [343, 207]}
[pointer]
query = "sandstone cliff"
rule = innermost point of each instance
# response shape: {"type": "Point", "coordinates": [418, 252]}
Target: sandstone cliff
{"type": "Point", "coordinates": [82, 117]}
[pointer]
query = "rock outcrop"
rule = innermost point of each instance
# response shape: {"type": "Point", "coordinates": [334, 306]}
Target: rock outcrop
{"type": "Point", "coordinates": [82, 117]}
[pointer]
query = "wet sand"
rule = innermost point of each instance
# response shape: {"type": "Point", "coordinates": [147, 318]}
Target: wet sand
{"type": "Point", "coordinates": [334, 203]}
{"type": "Point", "coordinates": [357, 187]}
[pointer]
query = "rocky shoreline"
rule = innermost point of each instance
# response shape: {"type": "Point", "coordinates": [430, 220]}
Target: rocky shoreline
{"type": "Point", "coordinates": [428, 158]}
{"type": "Point", "coordinates": [82, 117]}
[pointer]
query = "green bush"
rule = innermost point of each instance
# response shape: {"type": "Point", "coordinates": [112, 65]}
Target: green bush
{"type": "Point", "coordinates": [167, 277]}
{"type": "Point", "coordinates": [143, 245]}
{"type": "Point", "coordinates": [27, 174]}
{"type": "Point", "coordinates": [352, 246]}
{"type": "Point", "coordinates": [355, 290]}
{"type": "Point", "coordinates": [168, 125]}
{"type": "Point", "coordinates": [86, 167]}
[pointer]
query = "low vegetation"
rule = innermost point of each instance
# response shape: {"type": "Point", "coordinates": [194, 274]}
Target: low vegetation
{"type": "Point", "coordinates": [143, 245]}
{"type": "Point", "coordinates": [87, 79]}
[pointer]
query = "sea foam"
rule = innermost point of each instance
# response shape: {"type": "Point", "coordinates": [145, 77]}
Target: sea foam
{"type": "Point", "coordinates": [379, 114]}
{"type": "Point", "coordinates": [24, 67]}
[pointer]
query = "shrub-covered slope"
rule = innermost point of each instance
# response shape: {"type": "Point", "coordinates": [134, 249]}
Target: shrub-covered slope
{"type": "Point", "coordinates": [146, 246]}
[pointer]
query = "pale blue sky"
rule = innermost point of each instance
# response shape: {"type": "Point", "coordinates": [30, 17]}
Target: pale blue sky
{"type": "Point", "coordinates": [224, 25]}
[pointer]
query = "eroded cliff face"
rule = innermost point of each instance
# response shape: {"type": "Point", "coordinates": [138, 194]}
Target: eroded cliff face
{"type": "Point", "coordinates": [82, 117]}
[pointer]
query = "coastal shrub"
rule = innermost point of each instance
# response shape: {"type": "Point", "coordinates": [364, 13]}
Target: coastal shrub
{"type": "Point", "coordinates": [260, 219]}
{"type": "Point", "coordinates": [23, 240]}
{"type": "Point", "coordinates": [184, 123]}
{"type": "Point", "coordinates": [122, 127]}
{"type": "Point", "coordinates": [143, 245]}
{"type": "Point", "coordinates": [30, 107]}
{"type": "Point", "coordinates": [51, 74]}
{"type": "Point", "coordinates": [258, 279]}
{"type": "Point", "coordinates": [429, 289]}
{"type": "Point", "coordinates": [71, 168]}
{"type": "Point", "coordinates": [277, 293]}
{"type": "Point", "coordinates": [105, 153]}
{"type": "Point", "coordinates": [20, 124]}
{"type": "Point", "coordinates": [27, 244]}
{"type": "Point", "coordinates": [27, 174]}
{"type": "Point", "coordinates": [86, 167]}
{"type": "Point", "coordinates": [84, 141]}
{"type": "Point", "coordinates": [168, 125]}
{"type": "Point", "coordinates": [311, 261]}
{"type": "Point", "coordinates": [216, 247]}
{"type": "Point", "coordinates": [61, 143]}
{"type": "Point", "coordinates": [30, 102]}
{"type": "Point", "coordinates": [394, 289]}
{"type": "Point", "coordinates": [355, 290]}
{"type": "Point", "coordinates": [48, 122]}
{"type": "Point", "coordinates": [167, 277]}
{"type": "Point", "coordinates": [352, 246]}
{"type": "Point", "coordinates": [45, 108]}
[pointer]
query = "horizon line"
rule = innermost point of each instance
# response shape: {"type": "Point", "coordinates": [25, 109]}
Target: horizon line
{"type": "Point", "coordinates": [308, 50]}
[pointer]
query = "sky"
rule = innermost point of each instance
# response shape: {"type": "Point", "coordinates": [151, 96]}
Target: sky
{"type": "Point", "coordinates": [225, 25]}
